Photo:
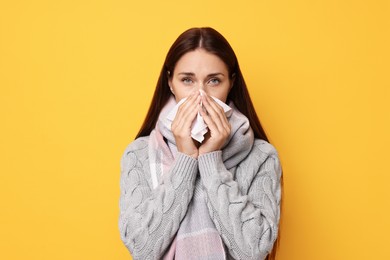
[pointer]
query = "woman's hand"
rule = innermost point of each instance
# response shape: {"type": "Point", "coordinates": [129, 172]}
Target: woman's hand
{"type": "Point", "coordinates": [219, 127]}
{"type": "Point", "coordinates": [181, 125]}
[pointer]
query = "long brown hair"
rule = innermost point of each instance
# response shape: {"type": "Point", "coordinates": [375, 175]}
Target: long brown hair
{"type": "Point", "coordinates": [212, 41]}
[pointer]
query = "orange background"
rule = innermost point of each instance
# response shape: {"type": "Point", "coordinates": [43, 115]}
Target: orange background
{"type": "Point", "coordinates": [76, 79]}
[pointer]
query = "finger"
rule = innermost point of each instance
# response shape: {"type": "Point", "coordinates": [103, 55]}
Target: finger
{"type": "Point", "coordinates": [218, 108]}
{"type": "Point", "coordinates": [214, 113]}
{"type": "Point", "coordinates": [183, 122]}
{"type": "Point", "coordinates": [209, 122]}
{"type": "Point", "coordinates": [178, 116]}
{"type": "Point", "coordinates": [187, 115]}
{"type": "Point", "coordinates": [190, 107]}
{"type": "Point", "coordinates": [190, 114]}
{"type": "Point", "coordinates": [220, 112]}
{"type": "Point", "coordinates": [190, 99]}
{"type": "Point", "coordinates": [187, 105]}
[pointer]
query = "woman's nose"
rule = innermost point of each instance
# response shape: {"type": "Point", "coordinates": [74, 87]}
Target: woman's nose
{"type": "Point", "coordinates": [201, 86]}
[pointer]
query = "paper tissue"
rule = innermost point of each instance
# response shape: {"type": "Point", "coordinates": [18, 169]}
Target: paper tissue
{"type": "Point", "coordinates": [199, 127]}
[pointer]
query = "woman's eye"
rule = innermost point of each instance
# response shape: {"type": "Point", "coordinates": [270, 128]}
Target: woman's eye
{"type": "Point", "coordinates": [214, 81]}
{"type": "Point", "coordinates": [187, 80]}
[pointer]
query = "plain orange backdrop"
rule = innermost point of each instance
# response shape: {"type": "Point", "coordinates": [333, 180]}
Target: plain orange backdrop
{"type": "Point", "coordinates": [76, 79]}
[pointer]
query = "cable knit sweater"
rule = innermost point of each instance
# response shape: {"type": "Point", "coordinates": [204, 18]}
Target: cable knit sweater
{"type": "Point", "coordinates": [243, 202]}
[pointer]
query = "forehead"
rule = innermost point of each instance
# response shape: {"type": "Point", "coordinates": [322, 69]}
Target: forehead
{"type": "Point", "coordinates": [200, 61]}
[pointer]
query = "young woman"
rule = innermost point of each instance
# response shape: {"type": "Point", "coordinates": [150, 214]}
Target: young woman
{"type": "Point", "coordinates": [216, 198]}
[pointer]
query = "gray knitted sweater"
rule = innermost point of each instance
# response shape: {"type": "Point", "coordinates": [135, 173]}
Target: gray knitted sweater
{"type": "Point", "coordinates": [243, 202]}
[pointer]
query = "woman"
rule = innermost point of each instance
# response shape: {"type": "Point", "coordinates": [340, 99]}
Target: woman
{"type": "Point", "coordinates": [216, 198]}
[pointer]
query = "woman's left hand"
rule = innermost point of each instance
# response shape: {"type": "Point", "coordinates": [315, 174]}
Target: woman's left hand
{"type": "Point", "coordinates": [219, 127]}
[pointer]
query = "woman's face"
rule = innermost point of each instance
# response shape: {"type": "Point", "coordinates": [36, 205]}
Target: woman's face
{"type": "Point", "coordinates": [200, 69]}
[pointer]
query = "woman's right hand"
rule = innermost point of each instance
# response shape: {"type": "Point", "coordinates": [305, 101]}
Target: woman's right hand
{"type": "Point", "coordinates": [181, 125]}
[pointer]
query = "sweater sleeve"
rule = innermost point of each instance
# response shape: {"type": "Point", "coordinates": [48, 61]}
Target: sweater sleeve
{"type": "Point", "coordinates": [149, 218]}
{"type": "Point", "coordinates": [246, 213]}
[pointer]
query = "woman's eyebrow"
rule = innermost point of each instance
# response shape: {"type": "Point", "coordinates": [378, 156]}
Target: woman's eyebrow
{"type": "Point", "coordinates": [193, 74]}
{"type": "Point", "coordinates": [187, 73]}
{"type": "Point", "coordinates": [215, 74]}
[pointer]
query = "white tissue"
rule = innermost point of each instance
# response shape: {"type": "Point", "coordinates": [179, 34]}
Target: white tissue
{"type": "Point", "coordinates": [198, 127]}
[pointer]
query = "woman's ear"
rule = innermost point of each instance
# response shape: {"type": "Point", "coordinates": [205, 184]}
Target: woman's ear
{"type": "Point", "coordinates": [170, 81]}
{"type": "Point", "coordinates": [233, 78]}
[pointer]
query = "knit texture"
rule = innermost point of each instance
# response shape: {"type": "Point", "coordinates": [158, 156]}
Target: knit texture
{"type": "Point", "coordinates": [244, 202]}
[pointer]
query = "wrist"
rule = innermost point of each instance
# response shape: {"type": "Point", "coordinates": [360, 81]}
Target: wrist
{"type": "Point", "coordinates": [206, 151]}
{"type": "Point", "coordinates": [210, 164]}
{"type": "Point", "coordinates": [193, 153]}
